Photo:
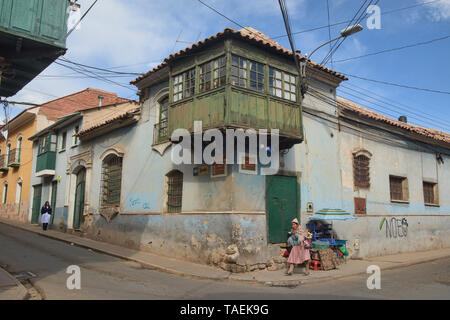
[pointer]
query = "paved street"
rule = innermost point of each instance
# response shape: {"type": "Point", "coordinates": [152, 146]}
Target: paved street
{"type": "Point", "coordinates": [105, 277]}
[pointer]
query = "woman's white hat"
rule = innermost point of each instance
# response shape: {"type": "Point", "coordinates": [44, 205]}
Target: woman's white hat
{"type": "Point", "coordinates": [295, 221]}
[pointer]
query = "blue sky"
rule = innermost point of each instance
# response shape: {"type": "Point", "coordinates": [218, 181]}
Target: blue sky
{"type": "Point", "coordinates": [137, 35]}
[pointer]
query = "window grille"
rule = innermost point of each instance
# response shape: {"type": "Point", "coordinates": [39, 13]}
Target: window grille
{"type": "Point", "coordinates": [174, 191]}
{"type": "Point", "coordinates": [361, 171]}
{"type": "Point", "coordinates": [111, 180]}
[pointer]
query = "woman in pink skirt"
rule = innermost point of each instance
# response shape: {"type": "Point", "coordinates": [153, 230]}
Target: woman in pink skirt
{"type": "Point", "coordinates": [299, 254]}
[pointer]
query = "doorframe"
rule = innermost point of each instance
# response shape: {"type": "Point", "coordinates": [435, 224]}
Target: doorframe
{"type": "Point", "coordinates": [33, 188]}
{"type": "Point", "coordinates": [76, 162]}
{"type": "Point", "coordinates": [283, 173]}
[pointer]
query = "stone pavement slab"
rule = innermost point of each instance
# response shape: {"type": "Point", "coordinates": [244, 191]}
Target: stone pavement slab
{"type": "Point", "coordinates": [10, 287]}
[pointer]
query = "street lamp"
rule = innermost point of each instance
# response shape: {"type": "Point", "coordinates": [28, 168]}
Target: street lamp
{"type": "Point", "coordinates": [350, 30]}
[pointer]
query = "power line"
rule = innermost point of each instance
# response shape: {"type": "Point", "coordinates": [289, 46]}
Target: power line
{"type": "Point", "coordinates": [348, 25]}
{"type": "Point", "coordinates": [100, 69]}
{"type": "Point", "coordinates": [337, 45]}
{"type": "Point", "coordinates": [430, 123]}
{"type": "Point", "coordinates": [407, 110]}
{"type": "Point", "coordinates": [91, 74]}
{"type": "Point", "coordinates": [347, 21]}
{"type": "Point", "coordinates": [391, 100]}
{"type": "Point", "coordinates": [396, 84]}
{"type": "Point", "coordinates": [395, 49]}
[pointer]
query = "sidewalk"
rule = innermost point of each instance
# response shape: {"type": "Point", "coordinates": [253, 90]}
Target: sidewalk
{"type": "Point", "coordinates": [270, 278]}
{"type": "Point", "coordinates": [10, 287]}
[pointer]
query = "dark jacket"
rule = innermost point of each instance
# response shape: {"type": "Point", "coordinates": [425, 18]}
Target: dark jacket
{"type": "Point", "coordinates": [47, 209]}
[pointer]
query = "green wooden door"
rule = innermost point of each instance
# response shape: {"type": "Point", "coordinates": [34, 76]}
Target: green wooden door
{"type": "Point", "coordinates": [79, 199]}
{"type": "Point", "coordinates": [36, 204]}
{"type": "Point", "coordinates": [282, 206]}
{"type": "Point", "coordinates": [53, 199]}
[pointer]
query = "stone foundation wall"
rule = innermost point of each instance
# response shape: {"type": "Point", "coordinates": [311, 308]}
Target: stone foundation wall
{"type": "Point", "coordinates": [14, 211]}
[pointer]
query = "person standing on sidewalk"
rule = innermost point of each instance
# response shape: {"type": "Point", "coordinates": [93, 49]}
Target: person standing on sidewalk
{"type": "Point", "coordinates": [46, 212]}
{"type": "Point", "coordinates": [299, 253]}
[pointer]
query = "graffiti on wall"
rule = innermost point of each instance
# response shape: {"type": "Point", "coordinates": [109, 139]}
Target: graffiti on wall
{"type": "Point", "coordinates": [140, 202]}
{"type": "Point", "coordinates": [395, 227]}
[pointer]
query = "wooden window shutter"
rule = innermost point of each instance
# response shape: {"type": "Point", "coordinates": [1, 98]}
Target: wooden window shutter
{"type": "Point", "coordinates": [360, 206]}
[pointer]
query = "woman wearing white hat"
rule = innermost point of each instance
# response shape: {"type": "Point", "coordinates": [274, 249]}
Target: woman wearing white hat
{"type": "Point", "coordinates": [299, 254]}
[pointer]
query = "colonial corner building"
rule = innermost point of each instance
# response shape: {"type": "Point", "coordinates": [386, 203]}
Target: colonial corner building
{"type": "Point", "coordinates": [106, 166]}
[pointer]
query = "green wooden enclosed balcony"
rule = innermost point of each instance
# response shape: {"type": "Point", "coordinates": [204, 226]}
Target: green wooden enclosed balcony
{"type": "Point", "coordinates": [233, 86]}
{"type": "Point", "coordinates": [32, 36]}
{"type": "Point", "coordinates": [46, 159]}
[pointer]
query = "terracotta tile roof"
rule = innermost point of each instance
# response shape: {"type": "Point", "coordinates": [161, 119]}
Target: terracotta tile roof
{"type": "Point", "coordinates": [248, 34]}
{"type": "Point", "coordinates": [429, 133]}
{"type": "Point", "coordinates": [77, 101]}
{"type": "Point", "coordinates": [113, 118]}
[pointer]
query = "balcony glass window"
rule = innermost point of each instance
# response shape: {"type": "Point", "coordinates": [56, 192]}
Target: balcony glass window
{"type": "Point", "coordinates": [47, 144]}
{"type": "Point", "coordinates": [282, 84]}
{"type": "Point", "coordinates": [189, 83]}
{"type": "Point", "coordinates": [177, 88]}
{"type": "Point", "coordinates": [219, 75]}
{"type": "Point", "coordinates": [163, 117]}
{"type": "Point", "coordinates": [256, 76]}
{"type": "Point", "coordinates": [239, 71]}
{"type": "Point", "coordinates": [184, 85]}
{"type": "Point", "coordinates": [205, 77]}
{"type": "Point", "coordinates": [212, 74]}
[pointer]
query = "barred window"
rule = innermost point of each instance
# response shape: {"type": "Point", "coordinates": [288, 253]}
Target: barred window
{"type": "Point", "coordinates": [174, 191]}
{"type": "Point", "coordinates": [361, 171]}
{"type": "Point", "coordinates": [430, 193]}
{"type": "Point", "coordinates": [111, 180]}
{"type": "Point", "coordinates": [398, 188]}
{"type": "Point", "coordinates": [282, 84]}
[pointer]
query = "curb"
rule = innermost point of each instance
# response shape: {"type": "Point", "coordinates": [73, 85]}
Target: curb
{"type": "Point", "coordinates": [19, 292]}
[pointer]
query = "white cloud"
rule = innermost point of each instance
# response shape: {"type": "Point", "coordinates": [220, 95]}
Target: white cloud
{"type": "Point", "coordinates": [440, 10]}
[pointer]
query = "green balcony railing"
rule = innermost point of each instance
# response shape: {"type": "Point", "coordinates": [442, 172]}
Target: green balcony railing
{"type": "Point", "coordinates": [14, 158]}
{"type": "Point", "coordinates": [3, 163]}
{"type": "Point", "coordinates": [46, 161]}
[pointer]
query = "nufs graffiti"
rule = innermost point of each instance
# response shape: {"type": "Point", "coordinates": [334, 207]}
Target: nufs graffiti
{"type": "Point", "coordinates": [395, 227]}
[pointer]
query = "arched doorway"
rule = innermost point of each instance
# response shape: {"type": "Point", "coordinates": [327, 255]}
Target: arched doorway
{"type": "Point", "coordinates": [79, 198]}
